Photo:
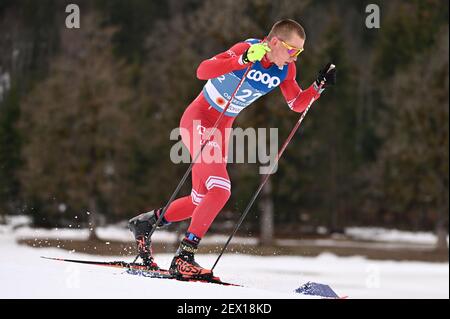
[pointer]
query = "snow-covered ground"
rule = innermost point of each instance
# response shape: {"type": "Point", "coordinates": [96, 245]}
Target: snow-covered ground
{"type": "Point", "coordinates": [388, 238]}
{"type": "Point", "coordinates": [391, 235]}
{"type": "Point", "coordinates": [23, 274]}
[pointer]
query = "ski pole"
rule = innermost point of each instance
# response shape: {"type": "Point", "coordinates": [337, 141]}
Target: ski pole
{"type": "Point", "coordinates": [186, 174]}
{"type": "Point", "coordinates": [266, 177]}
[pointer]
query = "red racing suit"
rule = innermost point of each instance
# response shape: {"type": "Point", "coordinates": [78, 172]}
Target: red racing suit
{"type": "Point", "coordinates": [211, 186]}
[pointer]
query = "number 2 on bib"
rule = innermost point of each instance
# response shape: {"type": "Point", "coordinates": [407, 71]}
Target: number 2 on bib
{"type": "Point", "coordinates": [248, 94]}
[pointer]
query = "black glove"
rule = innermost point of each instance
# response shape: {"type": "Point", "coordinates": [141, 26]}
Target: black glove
{"type": "Point", "coordinates": [327, 76]}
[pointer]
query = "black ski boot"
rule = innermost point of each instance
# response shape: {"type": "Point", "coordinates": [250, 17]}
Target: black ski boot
{"type": "Point", "coordinates": [184, 264]}
{"type": "Point", "coordinates": [141, 227]}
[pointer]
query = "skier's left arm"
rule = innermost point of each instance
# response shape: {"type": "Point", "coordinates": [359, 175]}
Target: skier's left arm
{"type": "Point", "coordinates": [298, 99]}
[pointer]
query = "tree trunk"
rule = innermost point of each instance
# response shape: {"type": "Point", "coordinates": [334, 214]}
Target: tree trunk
{"type": "Point", "coordinates": [441, 229]}
{"type": "Point", "coordinates": [334, 222]}
{"type": "Point", "coordinates": [442, 232]}
{"type": "Point", "coordinates": [93, 219]}
{"type": "Point", "coordinates": [267, 218]}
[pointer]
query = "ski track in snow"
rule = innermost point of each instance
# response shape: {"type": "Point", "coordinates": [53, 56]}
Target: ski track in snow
{"type": "Point", "coordinates": [23, 274]}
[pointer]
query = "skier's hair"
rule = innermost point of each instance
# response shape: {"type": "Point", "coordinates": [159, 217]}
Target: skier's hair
{"type": "Point", "coordinates": [284, 29]}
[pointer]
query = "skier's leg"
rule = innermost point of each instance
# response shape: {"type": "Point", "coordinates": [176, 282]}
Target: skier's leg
{"type": "Point", "coordinates": [180, 209]}
{"type": "Point", "coordinates": [141, 226]}
{"type": "Point", "coordinates": [218, 191]}
{"type": "Point", "coordinates": [211, 190]}
{"type": "Point", "coordinates": [210, 182]}
{"type": "Point", "coordinates": [193, 125]}
{"type": "Point", "coordinates": [212, 178]}
{"type": "Point", "coordinates": [183, 208]}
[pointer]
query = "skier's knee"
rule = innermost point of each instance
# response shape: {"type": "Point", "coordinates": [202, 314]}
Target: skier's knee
{"type": "Point", "coordinates": [221, 195]}
{"type": "Point", "coordinates": [220, 186]}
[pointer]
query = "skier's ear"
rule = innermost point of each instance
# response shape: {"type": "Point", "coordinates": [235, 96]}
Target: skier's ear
{"type": "Point", "coordinates": [272, 42]}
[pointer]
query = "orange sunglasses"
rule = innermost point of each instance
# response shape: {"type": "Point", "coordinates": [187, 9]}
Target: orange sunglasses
{"type": "Point", "coordinates": [293, 51]}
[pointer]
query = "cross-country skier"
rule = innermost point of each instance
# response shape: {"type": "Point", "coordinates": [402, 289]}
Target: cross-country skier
{"type": "Point", "coordinates": [272, 61]}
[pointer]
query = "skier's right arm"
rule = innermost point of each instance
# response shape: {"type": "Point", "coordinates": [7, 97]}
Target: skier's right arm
{"type": "Point", "coordinates": [223, 63]}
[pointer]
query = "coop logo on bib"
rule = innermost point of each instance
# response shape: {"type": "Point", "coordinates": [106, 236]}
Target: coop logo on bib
{"type": "Point", "coordinates": [258, 76]}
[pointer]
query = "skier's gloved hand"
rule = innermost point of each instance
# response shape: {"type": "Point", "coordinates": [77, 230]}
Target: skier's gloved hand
{"type": "Point", "coordinates": [327, 76]}
{"type": "Point", "coordinates": [255, 53]}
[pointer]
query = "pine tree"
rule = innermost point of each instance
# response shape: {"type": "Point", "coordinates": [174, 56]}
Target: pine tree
{"type": "Point", "coordinates": [78, 132]}
{"type": "Point", "coordinates": [414, 158]}
{"type": "Point", "coordinates": [9, 152]}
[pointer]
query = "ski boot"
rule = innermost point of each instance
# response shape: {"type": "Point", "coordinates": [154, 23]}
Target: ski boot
{"type": "Point", "coordinates": [141, 227]}
{"type": "Point", "coordinates": [183, 264]}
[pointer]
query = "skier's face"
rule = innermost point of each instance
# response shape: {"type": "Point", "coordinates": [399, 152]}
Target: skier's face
{"type": "Point", "coordinates": [284, 51]}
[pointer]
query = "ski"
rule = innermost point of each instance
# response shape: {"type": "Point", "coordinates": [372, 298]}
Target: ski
{"type": "Point", "coordinates": [152, 274]}
{"type": "Point", "coordinates": [114, 264]}
{"type": "Point", "coordinates": [141, 270]}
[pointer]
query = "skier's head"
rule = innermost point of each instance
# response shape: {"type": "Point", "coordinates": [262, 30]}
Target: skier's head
{"type": "Point", "coordinates": [286, 40]}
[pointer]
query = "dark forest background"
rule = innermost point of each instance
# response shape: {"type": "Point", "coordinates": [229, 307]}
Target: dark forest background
{"type": "Point", "coordinates": [85, 114]}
